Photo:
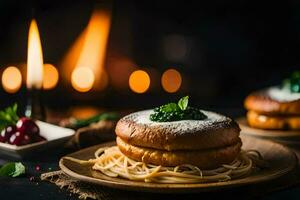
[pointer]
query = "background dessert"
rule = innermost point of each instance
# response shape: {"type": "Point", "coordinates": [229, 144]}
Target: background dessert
{"type": "Point", "coordinates": [276, 107]}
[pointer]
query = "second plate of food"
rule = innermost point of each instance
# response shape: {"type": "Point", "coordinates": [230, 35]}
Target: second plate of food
{"type": "Point", "coordinates": [278, 161]}
{"type": "Point", "coordinates": [275, 134]}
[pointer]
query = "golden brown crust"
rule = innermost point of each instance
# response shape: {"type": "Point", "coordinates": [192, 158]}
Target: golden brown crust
{"type": "Point", "coordinates": [260, 102]}
{"type": "Point", "coordinates": [213, 135]}
{"type": "Point", "coordinates": [204, 159]}
{"type": "Point", "coordinates": [262, 121]}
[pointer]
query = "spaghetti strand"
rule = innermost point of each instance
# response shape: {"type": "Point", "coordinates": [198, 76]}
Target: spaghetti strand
{"type": "Point", "coordinates": [111, 162]}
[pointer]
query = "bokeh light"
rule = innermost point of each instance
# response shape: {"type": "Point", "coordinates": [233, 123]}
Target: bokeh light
{"type": "Point", "coordinates": [11, 79]}
{"type": "Point", "coordinates": [50, 77]}
{"type": "Point", "coordinates": [82, 79]}
{"type": "Point", "coordinates": [171, 80]}
{"type": "Point", "coordinates": [139, 81]}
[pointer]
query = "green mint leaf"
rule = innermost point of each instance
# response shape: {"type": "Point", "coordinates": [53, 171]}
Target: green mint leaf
{"type": "Point", "coordinates": [9, 116]}
{"type": "Point", "coordinates": [19, 169]}
{"type": "Point", "coordinates": [183, 102]}
{"type": "Point", "coordinates": [170, 107]}
{"type": "Point", "coordinates": [12, 169]}
{"type": "Point", "coordinates": [7, 169]}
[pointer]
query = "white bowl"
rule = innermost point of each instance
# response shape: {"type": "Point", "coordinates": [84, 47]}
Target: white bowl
{"type": "Point", "coordinates": [55, 136]}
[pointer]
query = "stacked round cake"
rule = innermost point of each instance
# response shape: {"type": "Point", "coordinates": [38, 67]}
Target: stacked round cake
{"type": "Point", "coordinates": [207, 143]}
{"type": "Point", "coordinates": [273, 108]}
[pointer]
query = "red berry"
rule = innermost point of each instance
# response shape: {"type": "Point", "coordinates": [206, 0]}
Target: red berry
{"type": "Point", "coordinates": [25, 132]}
{"type": "Point", "coordinates": [7, 132]}
{"type": "Point", "coordinates": [28, 126]}
{"type": "Point", "coordinates": [20, 138]}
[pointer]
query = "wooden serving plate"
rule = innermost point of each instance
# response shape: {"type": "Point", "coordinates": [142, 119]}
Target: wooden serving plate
{"type": "Point", "coordinates": [289, 136]}
{"type": "Point", "coordinates": [281, 161]}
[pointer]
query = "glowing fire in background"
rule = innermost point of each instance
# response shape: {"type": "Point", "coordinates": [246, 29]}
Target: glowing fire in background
{"type": "Point", "coordinates": [84, 65]}
{"type": "Point", "coordinates": [88, 53]}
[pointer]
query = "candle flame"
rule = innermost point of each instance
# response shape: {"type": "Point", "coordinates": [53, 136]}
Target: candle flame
{"type": "Point", "coordinates": [34, 58]}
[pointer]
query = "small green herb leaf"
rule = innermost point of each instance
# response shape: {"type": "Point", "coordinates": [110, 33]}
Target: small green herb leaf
{"type": "Point", "coordinates": [19, 169]}
{"type": "Point", "coordinates": [170, 107]}
{"type": "Point", "coordinates": [12, 169]}
{"type": "Point", "coordinates": [8, 116]}
{"type": "Point", "coordinates": [183, 102]}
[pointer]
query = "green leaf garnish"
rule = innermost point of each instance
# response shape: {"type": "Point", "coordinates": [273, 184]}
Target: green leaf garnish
{"type": "Point", "coordinates": [177, 111]}
{"type": "Point", "coordinates": [183, 102]}
{"type": "Point", "coordinates": [8, 116]}
{"type": "Point", "coordinates": [12, 169]}
{"type": "Point", "coordinates": [170, 107]}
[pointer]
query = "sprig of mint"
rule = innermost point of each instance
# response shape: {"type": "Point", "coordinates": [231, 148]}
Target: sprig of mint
{"type": "Point", "coordinates": [8, 116]}
{"type": "Point", "coordinates": [183, 102]}
{"type": "Point", "coordinates": [172, 107]}
{"type": "Point", "coordinates": [12, 169]}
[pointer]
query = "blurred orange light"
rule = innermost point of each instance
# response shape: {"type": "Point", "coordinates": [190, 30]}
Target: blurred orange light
{"type": "Point", "coordinates": [139, 81]}
{"type": "Point", "coordinates": [89, 49]}
{"type": "Point", "coordinates": [171, 80]}
{"type": "Point", "coordinates": [11, 79]}
{"type": "Point", "coordinates": [50, 76]}
{"type": "Point", "coordinates": [82, 79]}
{"type": "Point", "coordinates": [84, 112]}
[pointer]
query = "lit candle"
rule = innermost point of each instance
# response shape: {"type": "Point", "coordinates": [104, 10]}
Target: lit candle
{"type": "Point", "coordinates": [35, 72]}
{"type": "Point", "coordinates": [34, 58]}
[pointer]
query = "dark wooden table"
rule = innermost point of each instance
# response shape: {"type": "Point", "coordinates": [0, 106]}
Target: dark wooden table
{"type": "Point", "coordinates": [26, 188]}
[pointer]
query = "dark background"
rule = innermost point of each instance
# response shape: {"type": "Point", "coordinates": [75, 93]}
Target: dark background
{"type": "Point", "coordinates": [232, 47]}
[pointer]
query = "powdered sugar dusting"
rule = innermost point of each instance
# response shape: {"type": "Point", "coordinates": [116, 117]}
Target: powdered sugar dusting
{"type": "Point", "coordinates": [282, 94]}
{"type": "Point", "coordinates": [182, 126]}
